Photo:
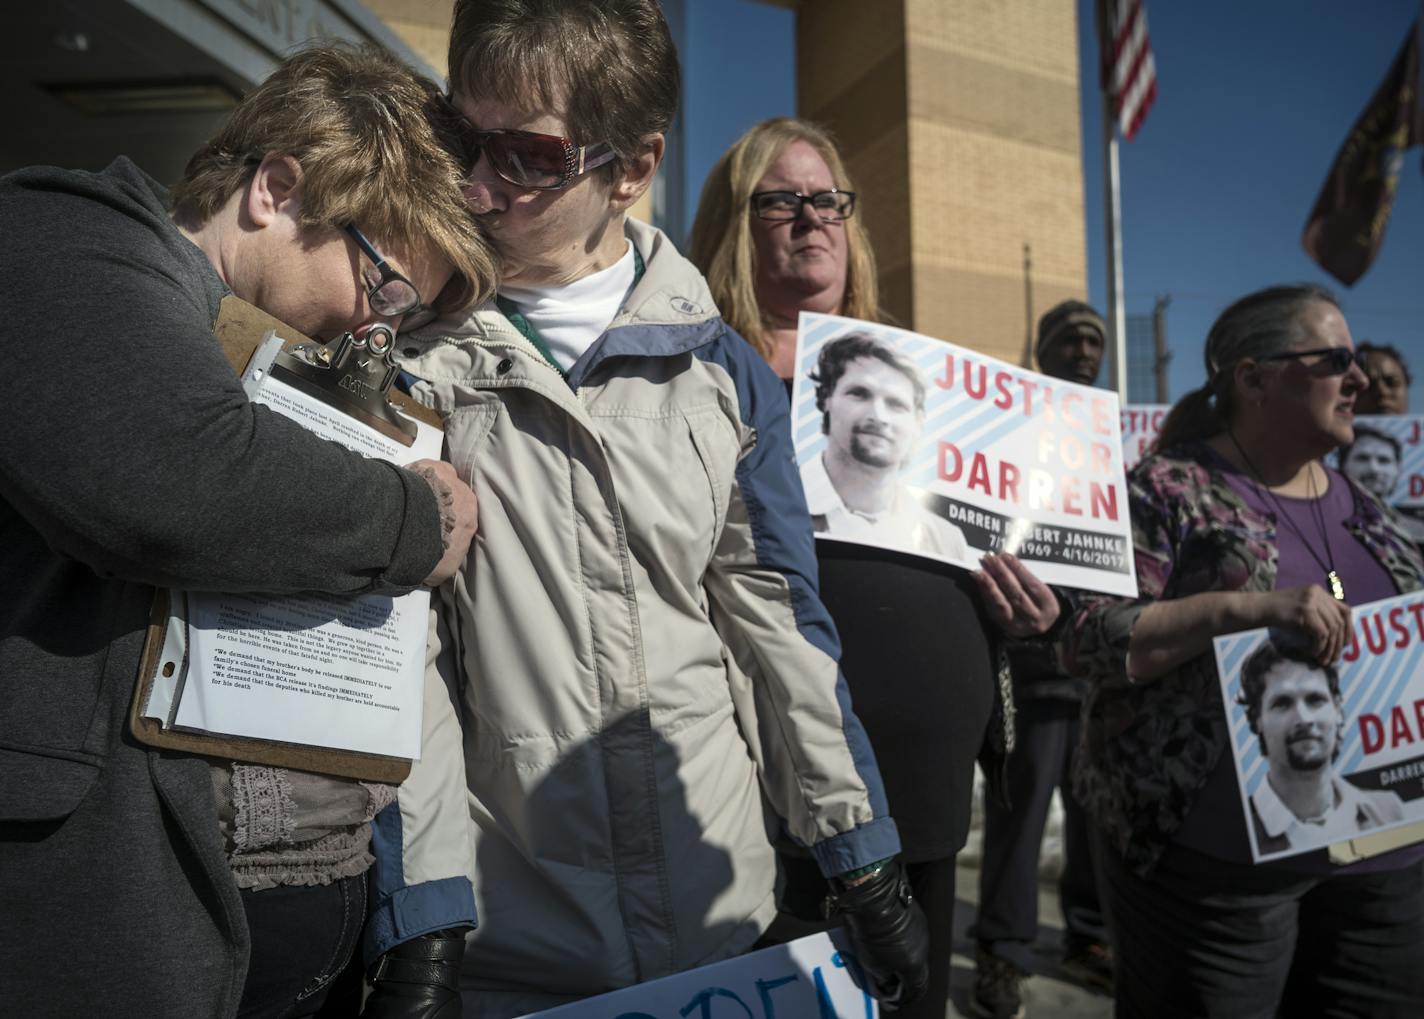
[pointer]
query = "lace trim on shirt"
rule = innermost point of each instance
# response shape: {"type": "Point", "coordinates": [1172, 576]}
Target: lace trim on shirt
{"type": "Point", "coordinates": [264, 813]}
{"type": "Point", "coordinates": [341, 854]}
{"type": "Point", "coordinates": [379, 797]}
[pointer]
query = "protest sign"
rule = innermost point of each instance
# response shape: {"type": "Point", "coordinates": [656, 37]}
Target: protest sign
{"type": "Point", "coordinates": [1387, 458]}
{"type": "Point", "coordinates": [937, 450]}
{"type": "Point", "coordinates": [1321, 757]}
{"type": "Point", "coordinates": [811, 978]}
{"type": "Point", "coordinates": [1141, 424]}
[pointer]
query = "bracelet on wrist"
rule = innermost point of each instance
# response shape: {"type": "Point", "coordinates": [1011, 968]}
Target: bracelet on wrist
{"type": "Point", "coordinates": [861, 873]}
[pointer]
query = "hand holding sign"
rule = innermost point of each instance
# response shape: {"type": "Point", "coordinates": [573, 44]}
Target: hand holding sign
{"type": "Point", "coordinates": [1017, 602]}
{"type": "Point", "coordinates": [1308, 610]}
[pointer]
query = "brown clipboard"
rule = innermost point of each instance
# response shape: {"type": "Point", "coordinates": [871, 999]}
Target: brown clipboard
{"type": "Point", "coordinates": [241, 330]}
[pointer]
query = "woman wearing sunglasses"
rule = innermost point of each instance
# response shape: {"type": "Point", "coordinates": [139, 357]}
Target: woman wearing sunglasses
{"type": "Point", "coordinates": [645, 671]}
{"type": "Point", "coordinates": [1238, 525]}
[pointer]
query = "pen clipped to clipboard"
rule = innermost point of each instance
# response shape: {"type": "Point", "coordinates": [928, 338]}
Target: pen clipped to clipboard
{"type": "Point", "coordinates": [324, 683]}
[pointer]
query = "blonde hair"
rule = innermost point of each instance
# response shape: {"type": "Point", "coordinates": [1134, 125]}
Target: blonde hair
{"type": "Point", "coordinates": [376, 143]}
{"type": "Point", "coordinates": [721, 243]}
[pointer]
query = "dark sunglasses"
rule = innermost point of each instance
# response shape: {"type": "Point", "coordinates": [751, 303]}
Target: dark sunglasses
{"type": "Point", "coordinates": [538, 162]}
{"type": "Point", "coordinates": [1336, 360]}
{"type": "Point", "coordinates": [831, 206]}
{"type": "Point", "coordinates": [390, 294]}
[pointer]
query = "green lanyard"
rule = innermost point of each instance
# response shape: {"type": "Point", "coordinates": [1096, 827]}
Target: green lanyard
{"type": "Point", "coordinates": [527, 330]}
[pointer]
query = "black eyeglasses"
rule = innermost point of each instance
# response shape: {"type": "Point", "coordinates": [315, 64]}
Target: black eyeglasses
{"type": "Point", "coordinates": [1336, 359]}
{"type": "Point", "coordinates": [831, 206]}
{"type": "Point", "coordinates": [390, 294]}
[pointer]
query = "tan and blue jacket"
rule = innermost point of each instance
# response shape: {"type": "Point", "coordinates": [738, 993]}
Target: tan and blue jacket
{"type": "Point", "coordinates": [643, 671]}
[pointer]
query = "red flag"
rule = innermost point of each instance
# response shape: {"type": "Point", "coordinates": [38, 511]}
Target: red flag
{"type": "Point", "coordinates": [1346, 227]}
{"type": "Point", "coordinates": [1129, 74]}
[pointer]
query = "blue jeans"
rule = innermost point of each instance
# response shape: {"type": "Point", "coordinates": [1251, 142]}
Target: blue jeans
{"type": "Point", "coordinates": [303, 941]}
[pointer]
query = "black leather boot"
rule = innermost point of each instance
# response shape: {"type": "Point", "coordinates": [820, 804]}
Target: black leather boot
{"type": "Point", "coordinates": [418, 979]}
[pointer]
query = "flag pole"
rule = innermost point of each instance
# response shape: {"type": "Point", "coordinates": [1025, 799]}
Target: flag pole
{"type": "Point", "coordinates": [1112, 205]}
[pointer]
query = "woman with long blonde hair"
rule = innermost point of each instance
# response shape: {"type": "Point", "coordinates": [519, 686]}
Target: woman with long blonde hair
{"type": "Point", "coordinates": [777, 233]}
{"type": "Point", "coordinates": [766, 257]}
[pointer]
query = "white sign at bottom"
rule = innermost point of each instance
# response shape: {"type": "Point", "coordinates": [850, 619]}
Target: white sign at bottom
{"type": "Point", "coordinates": [811, 978]}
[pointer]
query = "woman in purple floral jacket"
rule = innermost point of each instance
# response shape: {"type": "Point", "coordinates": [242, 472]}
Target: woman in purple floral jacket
{"type": "Point", "coordinates": [1237, 525]}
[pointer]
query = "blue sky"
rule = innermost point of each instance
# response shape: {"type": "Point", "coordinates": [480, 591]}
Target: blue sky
{"type": "Point", "coordinates": [1253, 102]}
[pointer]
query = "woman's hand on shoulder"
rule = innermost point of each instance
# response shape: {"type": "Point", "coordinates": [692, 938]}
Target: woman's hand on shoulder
{"type": "Point", "coordinates": [1311, 612]}
{"type": "Point", "coordinates": [1017, 602]}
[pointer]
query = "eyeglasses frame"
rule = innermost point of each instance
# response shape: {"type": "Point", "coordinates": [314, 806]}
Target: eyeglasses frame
{"type": "Point", "coordinates": [388, 275]}
{"type": "Point", "coordinates": [1356, 358]}
{"type": "Point", "coordinates": [805, 200]}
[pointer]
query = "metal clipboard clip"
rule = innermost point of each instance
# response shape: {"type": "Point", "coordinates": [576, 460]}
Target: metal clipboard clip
{"type": "Point", "coordinates": [352, 373]}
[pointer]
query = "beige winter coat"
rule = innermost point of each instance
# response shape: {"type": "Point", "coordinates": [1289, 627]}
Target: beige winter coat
{"type": "Point", "coordinates": [645, 675]}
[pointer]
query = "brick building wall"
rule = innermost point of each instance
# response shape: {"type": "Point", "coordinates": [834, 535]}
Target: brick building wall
{"type": "Point", "coordinates": [423, 24]}
{"type": "Point", "coordinates": [959, 120]}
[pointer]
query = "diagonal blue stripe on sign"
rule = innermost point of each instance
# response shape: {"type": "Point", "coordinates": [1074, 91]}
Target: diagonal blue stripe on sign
{"type": "Point", "coordinates": [929, 357]}
{"type": "Point", "coordinates": [1237, 647]}
{"type": "Point", "coordinates": [1254, 766]}
{"type": "Point", "coordinates": [1256, 774]}
{"type": "Point", "coordinates": [1384, 686]}
{"type": "Point", "coordinates": [808, 431]}
{"type": "Point", "coordinates": [808, 452]}
{"type": "Point", "coordinates": [1242, 643]}
{"type": "Point", "coordinates": [1395, 682]}
{"type": "Point", "coordinates": [944, 420]}
{"type": "Point", "coordinates": [1251, 755]}
{"type": "Point", "coordinates": [945, 407]}
{"type": "Point", "coordinates": [927, 470]}
{"type": "Point", "coordinates": [822, 331]}
{"type": "Point", "coordinates": [1388, 682]}
{"type": "Point", "coordinates": [979, 412]}
{"type": "Point", "coordinates": [1010, 424]}
{"type": "Point", "coordinates": [980, 442]}
{"type": "Point", "coordinates": [1365, 689]}
{"type": "Point", "coordinates": [1234, 650]}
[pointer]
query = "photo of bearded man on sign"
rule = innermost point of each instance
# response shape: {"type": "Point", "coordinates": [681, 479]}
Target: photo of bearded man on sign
{"type": "Point", "coordinates": [1294, 707]}
{"type": "Point", "coordinates": [872, 401]}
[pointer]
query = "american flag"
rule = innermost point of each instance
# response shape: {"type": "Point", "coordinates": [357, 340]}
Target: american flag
{"type": "Point", "coordinates": [1129, 73]}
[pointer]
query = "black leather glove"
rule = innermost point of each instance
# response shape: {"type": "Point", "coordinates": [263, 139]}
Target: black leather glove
{"type": "Point", "coordinates": [418, 979]}
{"type": "Point", "coordinates": [888, 933]}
